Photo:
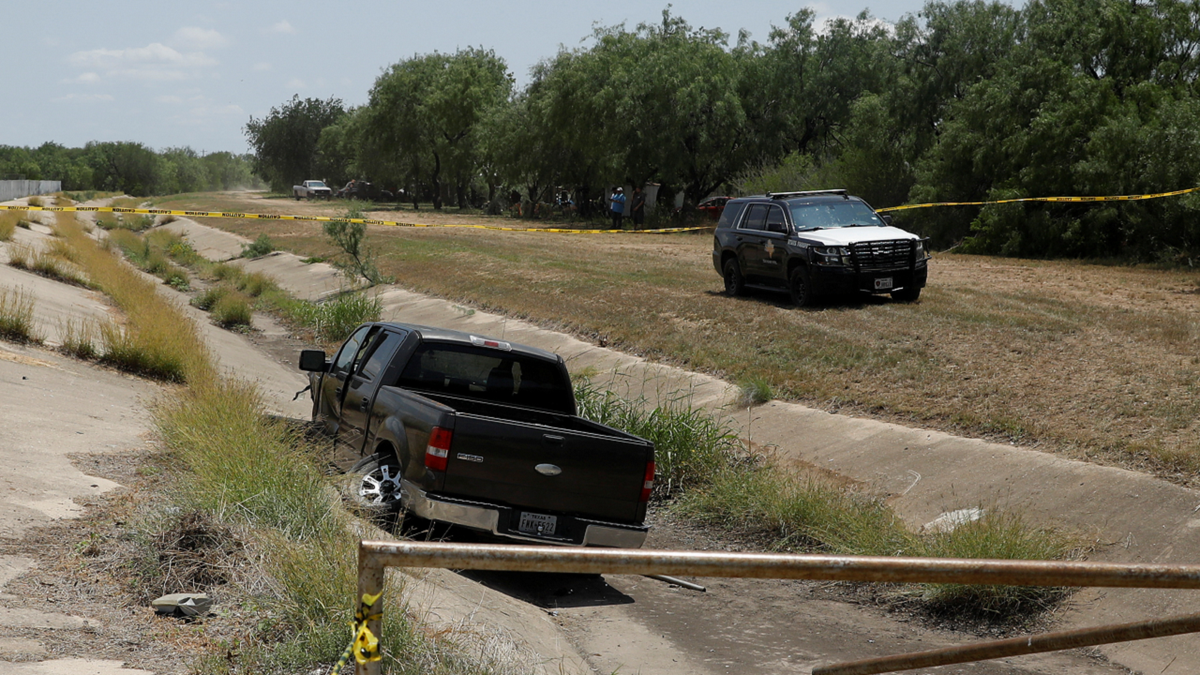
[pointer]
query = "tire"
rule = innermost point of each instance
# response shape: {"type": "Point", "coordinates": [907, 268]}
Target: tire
{"type": "Point", "coordinates": [735, 283]}
{"type": "Point", "coordinates": [800, 286]}
{"type": "Point", "coordinates": [377, 483]}
{"type": "Point", "coordinates": [908, 294]}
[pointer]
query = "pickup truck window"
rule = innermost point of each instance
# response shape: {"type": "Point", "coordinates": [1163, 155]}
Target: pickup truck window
{"type": "Point", "coordinates": [381, 353]}
{"type": "Point", "coordinates": [349, 350]}
{"type": "Point", "coordinates": [488, 374]}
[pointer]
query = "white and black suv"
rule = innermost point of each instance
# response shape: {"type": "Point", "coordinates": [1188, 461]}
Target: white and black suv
{"type": "Point", "coordinates": [816, 243]}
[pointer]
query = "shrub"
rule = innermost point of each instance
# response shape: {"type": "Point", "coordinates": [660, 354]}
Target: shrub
{"type": "Point", "coordinates": [332, 320]}
{"type": "Point", "coordinates": [36, 201]}
{"type": "Point", "coordinates": [8, 224]}
{"type": "Point", "coordinates": [107, 221]}
{"type": "Point", "coordinates": [208, 298]}
{"type": "Point", "coordinates": [231, 310]}
{"type": "Point", "coordinates": [21, 256]}
{"type": "Point", "coordinates": [16, 316]}
{"type": "Point", "coordinates": [259, 248]}
{"type": "Point", "coordinates": [255, 283]}
{"type": "Point", "coordinates": [79, 338]}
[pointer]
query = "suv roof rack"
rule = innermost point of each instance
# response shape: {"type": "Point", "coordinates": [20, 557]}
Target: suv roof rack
{"type": "Point", "coordinates": [805, 193]}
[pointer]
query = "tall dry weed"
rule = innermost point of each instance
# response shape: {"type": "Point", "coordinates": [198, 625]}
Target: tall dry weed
{"type": "Point", "coordinates": [16, 315]}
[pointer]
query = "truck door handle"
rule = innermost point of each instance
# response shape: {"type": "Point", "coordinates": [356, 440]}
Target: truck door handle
{"type": "Point", "coordinates": [364, 405]}
{"type": "Point", "coordinates": [337, 393]}
{"type": "Point", "coordinates": [551, 439]}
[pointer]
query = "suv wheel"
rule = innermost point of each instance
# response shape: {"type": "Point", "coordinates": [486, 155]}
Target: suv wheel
{"type": "Point", "coordinates": [800, 287]}
{"type": "Point", "coordinates": [909, 294]}
{"type": "Point", "coordinates": [735, 284]}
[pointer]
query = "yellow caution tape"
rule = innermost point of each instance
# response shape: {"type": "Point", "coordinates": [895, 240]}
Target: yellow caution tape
{"type": "Point", "coordinates": [325, 219]}
{"type": "Point", "coordinates": [1119, 198]}
{"type": "Point", "coordinates": [364, 645]}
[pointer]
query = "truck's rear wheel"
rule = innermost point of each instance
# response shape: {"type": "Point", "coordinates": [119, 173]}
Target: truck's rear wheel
{"type": "Point", "coordinates": [377, 483]}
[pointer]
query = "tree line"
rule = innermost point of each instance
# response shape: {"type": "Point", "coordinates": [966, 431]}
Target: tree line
{"type": "Point", "coordinates": [965, 101]}
{"type": "Point", "coordinates": [129, 168]}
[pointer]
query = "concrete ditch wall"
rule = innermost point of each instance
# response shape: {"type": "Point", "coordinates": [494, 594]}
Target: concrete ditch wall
{"type": "Point", "coordinates": [15, 189]}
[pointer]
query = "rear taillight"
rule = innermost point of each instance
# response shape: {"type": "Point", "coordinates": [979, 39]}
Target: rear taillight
{"type": "Point", "coordinates": [648, 482]}
{"type": "Point", "coordinates": [438, 450]}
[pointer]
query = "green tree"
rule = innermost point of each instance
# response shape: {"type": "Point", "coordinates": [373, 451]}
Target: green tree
{"type": "Point", "coordinates": [285, 140]}
{"type": "Point", "coordinates": [426, 112]}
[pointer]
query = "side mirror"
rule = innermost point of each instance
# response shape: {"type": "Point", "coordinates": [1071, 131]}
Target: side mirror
{"type": "Point", "coordinates": [313, 360]}
{"type": "Point", "coordinates": [887, 219]}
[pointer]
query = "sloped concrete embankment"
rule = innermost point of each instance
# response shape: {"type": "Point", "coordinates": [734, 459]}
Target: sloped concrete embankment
{"type": "Point", "coordinates": [1130, 517]}
{"type": "Point", "coordinates": [68, 407]}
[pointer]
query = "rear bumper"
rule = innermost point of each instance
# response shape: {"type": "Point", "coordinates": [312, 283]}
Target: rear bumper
{"type": "Point", "coordinates": [498, 520]}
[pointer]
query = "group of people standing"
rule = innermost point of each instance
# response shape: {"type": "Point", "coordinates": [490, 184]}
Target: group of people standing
{"type": "Point", "coordinates": [637, 207]}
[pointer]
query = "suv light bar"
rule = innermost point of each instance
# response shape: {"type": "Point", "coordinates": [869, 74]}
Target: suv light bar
{"type": "Point", "coordinates": [805, 193]}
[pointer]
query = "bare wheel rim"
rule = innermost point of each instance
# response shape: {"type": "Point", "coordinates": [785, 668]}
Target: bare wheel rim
{"type": "Point", "coordinates": [381, 486]}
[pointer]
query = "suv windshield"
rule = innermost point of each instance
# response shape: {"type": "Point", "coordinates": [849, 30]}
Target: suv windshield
{"type": "Point", "coordinates": [840, 213]}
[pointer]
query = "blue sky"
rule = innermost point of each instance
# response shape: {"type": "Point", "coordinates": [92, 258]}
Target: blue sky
{"type": "Point", "coordinates": [191, 74]}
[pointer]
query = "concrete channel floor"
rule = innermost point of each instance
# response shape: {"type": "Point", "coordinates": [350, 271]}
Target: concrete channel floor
{"type": "Point", "coordinates": [1129, 517]}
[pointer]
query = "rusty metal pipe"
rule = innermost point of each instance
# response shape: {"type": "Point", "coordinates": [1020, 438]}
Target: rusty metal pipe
{"type": "Point", "coordinates": [778, 566]}
{"type": "Point", "coordinates": [1036, 644]}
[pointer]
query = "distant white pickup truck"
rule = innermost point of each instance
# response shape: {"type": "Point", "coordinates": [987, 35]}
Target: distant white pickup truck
{"type": "Point", "coordinates": [311, 189]}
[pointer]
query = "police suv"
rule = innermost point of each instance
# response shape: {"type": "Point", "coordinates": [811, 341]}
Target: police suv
{"type": "Point", "coordinates": [815, 243]}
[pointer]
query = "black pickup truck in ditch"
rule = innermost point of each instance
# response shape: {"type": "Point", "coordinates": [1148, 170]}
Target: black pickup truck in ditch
{"type": "Point", "coordinates": [481, 433]}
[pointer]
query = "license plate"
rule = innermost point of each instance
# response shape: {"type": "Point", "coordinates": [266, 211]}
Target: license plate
{"type": "Point", "coordinates": [883, 283]}
{"type": "Point", "coordinates": [536, 523]}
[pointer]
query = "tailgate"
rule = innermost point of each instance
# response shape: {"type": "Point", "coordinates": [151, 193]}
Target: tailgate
{"type": "Point", "coordinates": [497, 460]}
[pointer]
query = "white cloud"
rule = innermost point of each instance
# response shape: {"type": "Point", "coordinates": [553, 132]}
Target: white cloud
{"type": "Point", "coordinates": [263, 66]}
{"type": "Point", "coordinates": [191, 37]}
{"type": "Point", "coordinates": [86, 78]}
{"type": "Point", "coordinates": [85, 98]}
{"type": "Point", "coordinates": [283, 27]}
{"type": "Point", "coordinates": [296, 83]}
{"type": "Point", "coordinates": [155, 62]}
{"type": "Point", "coordinates": [168, 99]}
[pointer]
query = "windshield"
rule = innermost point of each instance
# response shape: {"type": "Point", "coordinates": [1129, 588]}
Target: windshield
{"type": "Point", "coordinates": [840, 213]}
{"type": "Point", "coordinates": [315, 183]}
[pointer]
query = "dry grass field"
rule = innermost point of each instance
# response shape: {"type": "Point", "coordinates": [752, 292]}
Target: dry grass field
{"type": "Point", "coordinates": [1090, 360]}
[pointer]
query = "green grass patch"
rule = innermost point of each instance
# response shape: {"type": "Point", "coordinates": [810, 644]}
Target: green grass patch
{"type": "Point", "coordinates": [332, 320]}
{"type": "Point", "coordinates": [261, 246]}
{"type": "Point", "coordinates": [16, 316]}
{"type": "Point", "coordinates": [232, 310]}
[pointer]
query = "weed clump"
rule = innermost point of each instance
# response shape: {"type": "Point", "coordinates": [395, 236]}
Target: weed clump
{"type": "Point", "coordinates": [8, 224]}
{"type": "Point", "coordinates": [79, 339]}
{"type": "Point", "coordinates": [259, 248]}
{"type": "Point", "coordinates": [331, 321]}
{"type": "Point", "coordinates": [16, 316]}
{"type": "Point", "coordinates": [231, 310]}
